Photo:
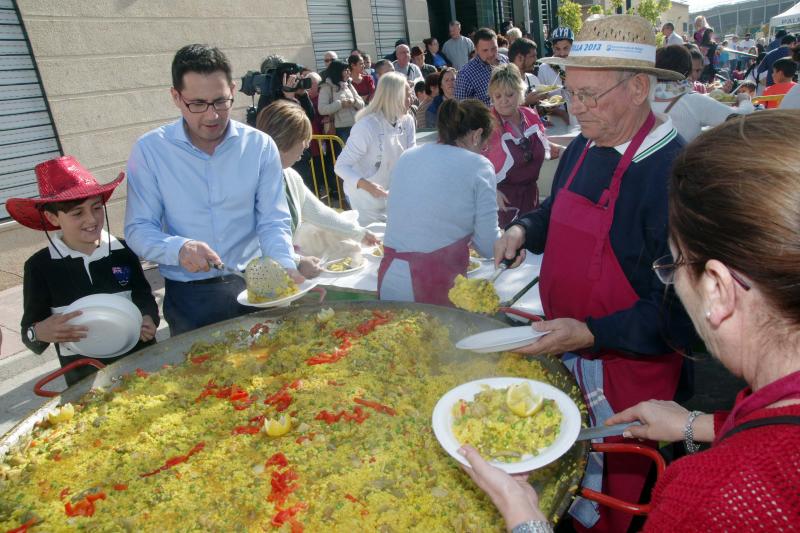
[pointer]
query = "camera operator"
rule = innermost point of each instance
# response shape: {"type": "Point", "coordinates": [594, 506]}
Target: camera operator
{"type": "Point", "coordinates": [288, 84]}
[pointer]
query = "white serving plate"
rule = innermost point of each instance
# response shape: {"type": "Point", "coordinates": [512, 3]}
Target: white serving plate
{"type": "Point", "coordinates": [114, 324]}
{"type": "Point", "coordinates": [500, 340]}
{"type": "Point", "coordinates": [342, 273]}
{"type": "Point", "coordinates": [568, 432]}
{"type": "Point", "coordinates": [303, 288]}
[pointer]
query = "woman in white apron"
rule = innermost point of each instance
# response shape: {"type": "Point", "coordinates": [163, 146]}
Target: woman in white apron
{"type": "Point", "coordinates": [382, 132]}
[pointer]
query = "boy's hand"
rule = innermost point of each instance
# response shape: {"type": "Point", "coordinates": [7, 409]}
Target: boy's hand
{"type": "Point", "coordinates": [309, 267]}
{"type": "Point", "coordinates": [56, 329]}
{"type": "Point", "coordinates": [148, 331]}
{"type": "Point", "coordinates": [196, 256]}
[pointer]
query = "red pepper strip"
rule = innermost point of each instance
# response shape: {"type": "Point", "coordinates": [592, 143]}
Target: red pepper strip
{"type": "Point", "coordinates": [375, 405]}
{"type": "Point", "coordinates": [84, 507]}
{"type": "Point", "coordinates": [141, 373]}
{"type": "Point", "coordinates": [259, 328]}
{"type": "Point", "coordinates": [357, 416]}
{"type": "Point", "coordinates": [120, 486]}
{"type": "Point", "coordinates": [278, 459]}
{"type": "Point", "coordinates": [245, 430]}
{"type": "Point", "coordinates": [24, 527]}
{"type": "Point", "coordinates": [296, 384]}
{"type": "Point", "coordinates": [200, 359]}
{"type": "Point", "coordinates": [284, 515]}
{"type": "Point", "coordinates": [297, 527]}
{"type": "Point", "coordinates": [463, 406]}
{"type": "Point", "coordinates": [281, 399]}
{"type": "Point", "coordinates": [178, 459]}
{"type": "Point", "coordinates": [63, 493]}
{"type": "Point", "coordinates": [281, 489]}
{"type": "Point", "coordinates": [352, 498]}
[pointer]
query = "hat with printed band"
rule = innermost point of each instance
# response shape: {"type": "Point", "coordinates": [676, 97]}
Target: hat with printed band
{"type": "Point", "coordinates": [616, 42]}
{"type": "Point", "coordinates": [60, 180]}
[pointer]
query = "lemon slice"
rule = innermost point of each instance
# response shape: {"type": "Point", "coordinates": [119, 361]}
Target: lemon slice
{"type": "Point", "coordinates": [278, 428]}
{"type": "Point", "coordinates": [64, 414]}
{"type": "Point", "coordinates": [522, 401]}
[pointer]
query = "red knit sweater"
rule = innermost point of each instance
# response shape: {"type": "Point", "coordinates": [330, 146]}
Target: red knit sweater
{"type": "Point", "coordinates": [748, 482]}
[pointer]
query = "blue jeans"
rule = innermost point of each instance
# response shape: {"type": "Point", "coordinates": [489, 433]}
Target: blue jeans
{"type": "Point", "coordinates": [189, 306]}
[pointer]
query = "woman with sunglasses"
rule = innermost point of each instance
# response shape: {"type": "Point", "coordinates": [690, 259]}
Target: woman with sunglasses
{"type": "Point", "coordinates": [518, 145]}
{"type": "Point", "coordinates": [736, 247]}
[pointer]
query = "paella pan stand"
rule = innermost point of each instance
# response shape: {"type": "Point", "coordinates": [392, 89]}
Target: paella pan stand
{"type": "Point", "coordinates": [570, 467]}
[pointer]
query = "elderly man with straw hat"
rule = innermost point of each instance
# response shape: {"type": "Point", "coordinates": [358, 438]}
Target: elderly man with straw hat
{"type": "Point", "coordinates": [600, 231]}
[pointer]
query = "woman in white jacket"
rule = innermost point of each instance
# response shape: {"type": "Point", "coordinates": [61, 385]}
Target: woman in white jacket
{"type": "Point", "coordinates": [317, 229]}
{"type": "Point", "coordinates": [382, 132]}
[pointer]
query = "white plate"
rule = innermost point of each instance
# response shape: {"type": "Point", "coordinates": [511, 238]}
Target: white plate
{"type": "Point", "coordinates": [342, 273]}
{"type": "Point", "coordinates": [303, 288]}
{"type": "Point", "coordinates": [537, 89]}
{"type": "Point", "coordinates": [567, 435]}
{"type": "Point", "coordinates": [500, 340]}
{"type": "Point", "coordinates": [114, 324]}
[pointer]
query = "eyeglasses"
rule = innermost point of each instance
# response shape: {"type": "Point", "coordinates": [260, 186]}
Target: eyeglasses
{"type": "Point", "coordinates": [202, 107]}
{"type": "Point", "coordinates": [590, 100]}
{"type": "Point", "coordinates": [665, 269]}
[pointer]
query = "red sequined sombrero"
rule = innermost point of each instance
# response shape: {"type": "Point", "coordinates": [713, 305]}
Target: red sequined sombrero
{"type": "Point", "coordinates": [60, 180]}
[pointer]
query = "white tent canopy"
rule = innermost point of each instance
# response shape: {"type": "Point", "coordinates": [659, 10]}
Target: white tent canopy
{"type": "Point", "coordinates": [790, 17]}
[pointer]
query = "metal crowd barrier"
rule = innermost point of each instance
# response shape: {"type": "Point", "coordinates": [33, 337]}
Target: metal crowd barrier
{"type": "Point", "coordinates": [330, 142]}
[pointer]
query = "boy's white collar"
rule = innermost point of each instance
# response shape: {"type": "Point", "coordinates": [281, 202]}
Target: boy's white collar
{"type": "Point", "coordinates": [58, 248]}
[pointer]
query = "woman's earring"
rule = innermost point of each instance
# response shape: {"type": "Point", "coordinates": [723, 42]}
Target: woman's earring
{"type": "Point", "coordinates": [708, 314]}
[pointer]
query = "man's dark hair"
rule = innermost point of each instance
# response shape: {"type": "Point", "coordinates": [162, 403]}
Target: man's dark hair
{"type": "Point", "coordinates": [484, 34]}
{"type": "Point", "coordinates": [199, 58]}
{"type": "Point", "coordinates": [780, 33]}
{"type": "Point", "coordinates": [520, 47]}
{"type": "Point", "coordinates": [669, 25]}
{"type": "Point", "coordinates": [788, 39]}
{"type": "Point", "coordinates": [675, 58]}
{"type": "Point", "coordinates": [786, 66]}
{"type": "Point", "coordinates": [419, 87]}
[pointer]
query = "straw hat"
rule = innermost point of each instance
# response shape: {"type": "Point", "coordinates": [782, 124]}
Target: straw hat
{"type": "Point", "coordinates": [60, 180]}
{"type": "Point", "coordinates": [616, 42]}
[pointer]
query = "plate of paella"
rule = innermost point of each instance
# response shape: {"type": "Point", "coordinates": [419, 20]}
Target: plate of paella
{"type": "Point", "coordinates": [291, 293]}
{"type": "Point", "coordinates": [517, 424]}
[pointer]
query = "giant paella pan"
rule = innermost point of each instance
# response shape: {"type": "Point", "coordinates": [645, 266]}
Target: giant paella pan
{"type": "Point", "coordinates": [286, 419]}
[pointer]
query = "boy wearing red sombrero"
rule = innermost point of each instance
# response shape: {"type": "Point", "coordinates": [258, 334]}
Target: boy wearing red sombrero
{"type": "Point", "coordinates": [81, 259]}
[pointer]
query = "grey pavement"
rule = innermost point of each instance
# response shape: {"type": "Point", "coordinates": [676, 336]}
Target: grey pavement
{"type": "Point", "coordinates": [20, 368]}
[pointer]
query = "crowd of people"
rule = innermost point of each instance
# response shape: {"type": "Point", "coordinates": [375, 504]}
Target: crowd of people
{"type": "Point", "coordinates": [641, 198]}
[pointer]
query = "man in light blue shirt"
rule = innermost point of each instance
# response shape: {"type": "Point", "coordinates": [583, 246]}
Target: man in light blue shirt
{"type": "Point", "coordinates": [206, 190]}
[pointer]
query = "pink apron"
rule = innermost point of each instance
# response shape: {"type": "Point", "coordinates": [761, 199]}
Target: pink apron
{"type": "Point", "coordinates": [433, 273]}
{"type": "Point", "coordinates": [581, 277]}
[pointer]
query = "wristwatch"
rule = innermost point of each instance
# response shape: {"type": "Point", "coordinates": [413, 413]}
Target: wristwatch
{"type": "Point", "coordinates": [688, 433]}
{"type": "Point", "coordinates": [31, 333]}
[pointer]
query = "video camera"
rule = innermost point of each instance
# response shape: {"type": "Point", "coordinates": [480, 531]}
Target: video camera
{"type": "Point", "coordinates": [271, 81]}
{"type": "Point", "coordinates": [269, 84]}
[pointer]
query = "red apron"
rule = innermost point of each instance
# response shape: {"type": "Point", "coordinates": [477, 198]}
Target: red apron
{"type": "Point", "coordinates": [581, 277]}
{"type": "Point", "coordinates": [433, 273]}
{"type": "Point", "coordinates": [519, 185]}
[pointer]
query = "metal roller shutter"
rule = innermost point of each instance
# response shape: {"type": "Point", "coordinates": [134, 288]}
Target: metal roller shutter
{"type": "Point", "coordinates": [505, 10]}
{"type": "Point", "coordinates": [331, 28]}
{"type": "Point", "coordinates": [27, 135]}
{"type": "Point", "coordinates": [389, 23]}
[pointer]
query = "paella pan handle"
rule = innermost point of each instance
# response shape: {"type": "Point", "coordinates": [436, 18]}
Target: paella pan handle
{"type": "Point", "coordinates": [523, 314]}
{"type": "Point", "coordinates": [322, 293]}
{"type": "Point", "coordinates": [39, 391]}
{"type": "Point", "coordinates": [616, 503]}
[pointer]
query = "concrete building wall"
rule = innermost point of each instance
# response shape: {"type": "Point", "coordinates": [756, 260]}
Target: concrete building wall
{"type": "Point", "coordinates": [105, 67]}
